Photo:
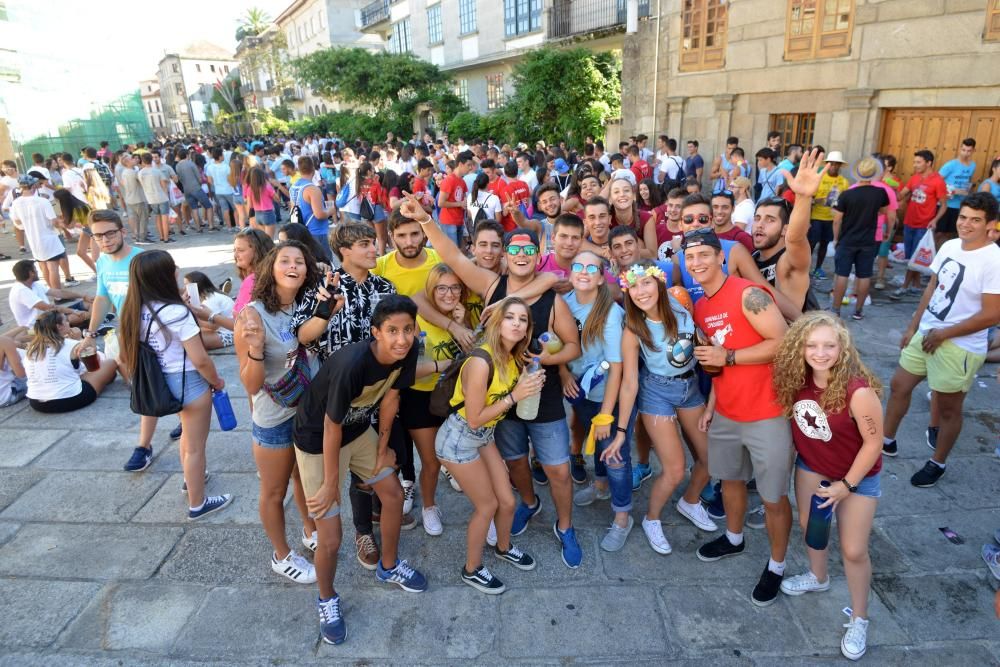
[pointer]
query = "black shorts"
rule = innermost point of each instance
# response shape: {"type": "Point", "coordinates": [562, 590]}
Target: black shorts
{"type": "Point", "coordinates": [415, 410]}
{"type": "Point", "coordinates": [58, 258]}
{"type": "Point", "coordinates": [86, 396]}
{"type": "Point", "coordinates": [820, 231]}
{"type": "Point", "coordinates": [948, 224]}
{"type": "Point", "coordinates": [862, 259]}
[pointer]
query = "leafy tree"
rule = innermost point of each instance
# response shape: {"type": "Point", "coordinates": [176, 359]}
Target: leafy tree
{"type": "Point", "coordinates": [253, 22]}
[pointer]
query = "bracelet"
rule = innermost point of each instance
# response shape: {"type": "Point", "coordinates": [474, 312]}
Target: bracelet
{"type": "Point", "coordinates": [423, 223]}
{"type": "Point", "coordinates": [621, 430]}
{"type": "Point", "coordinates": [250, 356]}
{"type": "Point", "coordinates": [512, 401]}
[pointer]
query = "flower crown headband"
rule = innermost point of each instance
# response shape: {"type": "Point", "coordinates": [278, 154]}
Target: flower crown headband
{"type": "Point", "coordinates": [632, 275]}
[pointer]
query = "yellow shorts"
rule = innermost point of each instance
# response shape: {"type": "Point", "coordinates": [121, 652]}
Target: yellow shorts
{"type": "Point", "coordinates": [949, 370]}
{"type": "Point", "coordinates": [357, 456]}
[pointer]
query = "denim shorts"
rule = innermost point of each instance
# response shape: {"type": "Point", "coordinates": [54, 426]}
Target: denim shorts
{"type": "Point", "coordinates": [225, 202]}
{"type": "Point", "coordinates": [870, 486]}
{"type": "Point", "coordinates": [266, 217]}
{"type": "Point", "coordinates": [274, 437]}
{"type": "Point", "coordinates": [238, 199]}
{"type": "Point", "coordinates": [662, 396]}
{"type": "Point", "coordinates": [18, 390]}
{"type": "Point", "coordinates": [190, 383]}
{"type": "Point", "coordinates": [197, 199]}
{"type": "Point", "coordinates": [550, 440]}
{"type": "Point", "coordinates": [161, 208]}
{"type": "Point", "coordinates": [457, 442]}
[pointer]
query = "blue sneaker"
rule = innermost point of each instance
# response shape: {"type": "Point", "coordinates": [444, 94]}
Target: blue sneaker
{"type": "Point", "coordinates": [640, 473]}
{"type": "Point", "coordinates": [523, 514]}
{"type": "Point", "coordinates": [819, 274]}
{"type": "Point", "coordinates": [331, 623]}
{"type": "Point", "coordinates": [538, 473]}
{"type": "Point", "coordinates": [140, 459]}
{"type": "Point", "coordinates": [211, 504]}
{"type": "Point", "coordinates": [708, 493]}
{"type": "Point", "coordinates": [716, 509]}
{"type": "Point", "coordinates": [403, 576]}
{"type": "Point", "coordinates": [572, 555]}
{"type": "Point", "coordinates": [176, 433]}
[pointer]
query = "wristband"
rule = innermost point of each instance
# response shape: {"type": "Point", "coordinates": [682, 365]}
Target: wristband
{"type": "Point", "coordinates": [423, 223]}
{"type": "Point", "coordinates": [89, 334]}
{"type": "Point", "coordinates": [324, 310]}
{"type": "Point", "coordinates": [621, 430]}
{"type": "Point", "coordinates": [250, 356]}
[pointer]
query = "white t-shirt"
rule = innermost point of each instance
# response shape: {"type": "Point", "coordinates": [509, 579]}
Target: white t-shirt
{"type": "Point", "coordinates": [8, 183]}
{"type": "Point", "coordinates": [962, 278]}
{"type": "Point", "coordinates": [487, 201]}
{"type": "Point", "coordinates": [181, 325]}
{"type": "Point", "coordinates": [530, 178]}
{"type": "Point", "coordinates": [217, 302]}
{"type": "Point", "coordinates": [22, 301]}
{"type": "Point", "coordinates": [74, 182]}
{"type": "Point", "coordinates": [54, 377]}
{"type": "Point", "coordinates": [36, 215]}
{"type": "Point", "coordinates": [744, 213]}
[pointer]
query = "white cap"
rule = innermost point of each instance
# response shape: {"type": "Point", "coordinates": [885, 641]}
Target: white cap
{"type": "Point", "coordinates": [623, 173]}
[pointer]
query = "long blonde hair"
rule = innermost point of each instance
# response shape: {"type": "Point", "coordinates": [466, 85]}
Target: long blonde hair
{"type": "Point", "coordinates": [791, 369]}
{"type": "Point", "coordinates": [97, 192]}
{"type": "Point", "coordinates": [491, 337]}
{"type": "Point", "coordinates": [437, 272]}
{"type": "Point", "coordinates": [46, 335]}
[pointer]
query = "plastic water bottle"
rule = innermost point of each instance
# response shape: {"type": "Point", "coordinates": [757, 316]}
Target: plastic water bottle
{"type": "Point", "coordinates": [591, 377]}
{"type": "Point", "coordinates": [422, 348]}
{"type": "Point", "coordinates": [223, 409]}
{"type": "Point", "coordinates": [820, 519]}
{"type": "Point", "coordinates": [527, 407]}
{"type": "Point", "coordinates": [550, 342]}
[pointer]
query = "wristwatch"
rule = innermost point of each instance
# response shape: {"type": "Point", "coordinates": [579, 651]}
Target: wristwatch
{"type": "Point", "coordinates": [730, 357]}
{"type": "Point", "coordinates": [87, 333]}
{"type": "Point", "coordinates": [852, 489]}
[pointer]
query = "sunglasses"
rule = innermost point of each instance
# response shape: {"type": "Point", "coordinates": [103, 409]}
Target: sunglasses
{"type": "Point", "coordinates": [703, 219]}
{"type": "Point", "coordinates": [775, 201]}
{"type": "Point", "coordinates": [528, 250]}
{"type": "Point", "coordinates": [703, 231]}
{"type": "Point", "coordinates": [578, 267]}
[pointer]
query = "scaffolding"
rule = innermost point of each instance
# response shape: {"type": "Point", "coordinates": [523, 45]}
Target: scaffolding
{"type": "Point", "coordinates": [119, 122]}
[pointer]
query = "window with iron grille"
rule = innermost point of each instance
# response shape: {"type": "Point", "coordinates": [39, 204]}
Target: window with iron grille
{"type": "Point", "coordinates": [703, 43]}
{"type": "Point", "coordinates": [818, 29]}
{"type": "Point", "coordinates": [521, 16]}
{"type": "Point", "coordinates": [434, 24]}
{"type": "Point", "coordinates": [495, 98]}
{"type": "Point", "coordinates": [795, 128]}
{"type": "Point", "coordinates": [462, 90]}
{"type": "Point", "coordinates": [467, 16]}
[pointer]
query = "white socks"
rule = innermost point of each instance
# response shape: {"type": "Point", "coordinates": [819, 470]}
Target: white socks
{"type": "Point", "coordinates": [736, 539]}
{"type": "Point", "coordinates": [776, 567]}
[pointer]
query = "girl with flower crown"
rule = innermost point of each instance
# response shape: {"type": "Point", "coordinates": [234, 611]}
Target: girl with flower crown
{"type": "Point", "coordinates": [661, 331]}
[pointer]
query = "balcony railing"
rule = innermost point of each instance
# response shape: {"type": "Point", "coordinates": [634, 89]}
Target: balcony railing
{"type": "Point", "coordinates": [575, 17]}
{"type": "Point", "coordinates": [374, 12]}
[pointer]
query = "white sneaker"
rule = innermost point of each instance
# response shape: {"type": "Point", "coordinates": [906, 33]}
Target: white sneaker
{"type": "Point", "coordinates": [491, 534]}
{"type": "Point", "coordinates": [855, 640]}
{"type": "Point", "coordinates": [432, 521]}
{"type": "Point", "coordinates": [309, 541]}
{"type": "Point", "coordinates": [409, 488]}
{"type": "Point", "coordinates": [804, 583]}
{"type": "Point", "coordinates": [696, 514]}
{"type": "Point", "coordinates": [451, 480]}
{"type": "Point", "coordinates": [655, 536]}
{"type": "Point", "coordinates": [294, 567]}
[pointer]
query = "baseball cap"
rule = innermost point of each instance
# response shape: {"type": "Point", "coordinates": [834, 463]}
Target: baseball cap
{"type": "Point", "coordinates": [37, 174]}
{"type": "Point", "coordinates": [625, 174]}
{"type": "Point", "coordinates": [701, 237]}
{"type": "Point", "coordinates": [560, 165]}
{"type": "Point", "coordinates": [27, 181]}
{"type": "Point", "coordinates": [521, 235]}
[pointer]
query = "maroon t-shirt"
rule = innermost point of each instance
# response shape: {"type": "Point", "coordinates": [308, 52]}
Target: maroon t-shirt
{"type": "Point", "coordinates": [827, 442]}
{"type": "Point", "coordinates": [737, 234]}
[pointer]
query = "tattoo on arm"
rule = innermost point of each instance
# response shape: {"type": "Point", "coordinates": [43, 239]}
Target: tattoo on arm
{"type": "Point", "coordinates": [870, 425]}
{"type": "Point", "coordinates": [756, 300]}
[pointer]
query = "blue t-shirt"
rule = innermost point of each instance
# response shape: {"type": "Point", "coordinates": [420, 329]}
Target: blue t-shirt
{"type": "Point", "coordinates": [694, 289]}
{"type": "Point", "coordinates": [609, 350]}
{"type": "Point", "coordinates": [112, 278]}
{"type": "Point", "coordinates": [674, 357]}
{"type": "Point", "coordinates": [957, 176]}
{"type": "Point", "coordinates": [994, 188]}
{"type": "Point", "coordinates": [219, 173]}
{"type": "Point", "coordinates": [692, 163]}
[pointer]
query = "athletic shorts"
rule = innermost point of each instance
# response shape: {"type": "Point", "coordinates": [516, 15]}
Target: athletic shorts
{"type": "Point", "coordinates": [861, 260]}
{"type": "Point", "coordinates": [761, 450]}
{"type": "Point", "coordinates": [949, 370]}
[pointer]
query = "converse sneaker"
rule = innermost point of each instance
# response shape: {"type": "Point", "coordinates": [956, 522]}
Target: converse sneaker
{"type": "Point", "coordinates": [294, 567]}
{"type": "Point", "coordinates": [309, 541]}
{"type": "Point", "coordinates": [404, 576]}
{"type": "Point", "coordinates": [491, 534]}
{"type": "Point", "coordinates": [331, 622]}
{"type": "Point", "coordinates": [483, 581]}
{"type": "Point", "coordinates": [654, 535]}
{"type": "Point", "coordinates": [766, 590]}
{"type": "Point", "coordinates": [696, 514]}
{"type": "Point", "coordinates": [804, 583]}
{"type": "Point", "coordinates": [588, 494]}
{"type": "Point", "coordinates": [368, 553]}
{"type": "Point", "coordinates": [616, 536]}
{"type": "Point", "coordinates": [855, 640]}
{"type": "Point", "coordinates": [211, 504]}
{"type": "Point", "coordinates": [719, 548]}
{"type": "Point", "coordinates": [184, 485]}
{"type": "Point", "coordinates": [409, 488]}
{"type": "Point", "coordinates": [451, 480]}
{"type": "Point", "coordinates": [516, 557]}
{"type": "Point", "coordinates": [432, 521]}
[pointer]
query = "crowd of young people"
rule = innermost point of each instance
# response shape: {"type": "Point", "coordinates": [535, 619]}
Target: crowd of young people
{"type": "Point", "coordinates": [452, 300]}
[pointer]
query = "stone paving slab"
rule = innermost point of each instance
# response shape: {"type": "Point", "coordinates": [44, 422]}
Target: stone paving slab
{"type": "Point", "coordinates": [943, 607]}
{"type": "Point", "coordinates": [7, 530]}
{"type": "Point", "coordinates": [169, 505]}
{"type": "Point", "coordinates": [15, 482]}
{"type": "Point", "coordinates": [43, 608]}
{"type": "Point", "coordinates": [225, 451]}
{"type": "Point", "coordinates": [223, 556]}
{"type": "Point", "coordinates": [923, 544]}
{"type": "Point", "coordinates": [19, 447]}
{"type": "Point", "coordinates": [106, 413]}
{"type": "Point", "coordinates": [85, 497]}
{"type": "Point", "coordinates": [98, 552]}
{"type": "Point", "coordinates": [90, 450]}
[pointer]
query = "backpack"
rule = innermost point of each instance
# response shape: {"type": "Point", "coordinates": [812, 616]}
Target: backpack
{"type": "Point", "coordinates": [440, 403]}
{"type": "Point", "coordinates": [151, 396]}
{"type": "Point", "coordinates": [344, 196]}
{"type": "Point", "coordinates": [678, 180]}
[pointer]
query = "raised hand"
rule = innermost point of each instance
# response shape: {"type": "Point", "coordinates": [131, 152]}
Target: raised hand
{"type": "Point", "coordinates": [806, 181]}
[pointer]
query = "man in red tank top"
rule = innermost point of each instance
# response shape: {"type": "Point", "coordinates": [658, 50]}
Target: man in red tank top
{"type": "Point", "coordinates": [748, 436]}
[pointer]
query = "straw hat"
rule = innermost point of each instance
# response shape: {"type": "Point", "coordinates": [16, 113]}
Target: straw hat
{"type": "Point", "coordinates": [867, 169]}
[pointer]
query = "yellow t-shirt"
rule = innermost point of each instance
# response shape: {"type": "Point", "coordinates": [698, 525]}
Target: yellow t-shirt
{"type": "Point", "coordinates": [440, 345]}
{"type": "Point", "coordinates": [474, 308]}
{"type": "Point", "coordinates": [407, 281]}
{"type": "Point", "coordinates": [830, 188]}
{"type": "Point", "coordinates": [495, 392]}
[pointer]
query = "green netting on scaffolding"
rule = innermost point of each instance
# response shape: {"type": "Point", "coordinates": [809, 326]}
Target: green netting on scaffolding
{"type": "Point", "coordinates": [119, 122]}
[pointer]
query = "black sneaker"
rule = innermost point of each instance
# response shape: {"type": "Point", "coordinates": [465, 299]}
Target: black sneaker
{"type": "Point", "coordinates": [890, 448]}
{"type": "Point", "coordinates": [927, 476]}
{"type": "Point", "coordinates": [931, 434]}
{"type": "Point", "coordinates": [578, 468]}
{"type": "Point", "coordinates": [483, 581]}
{"type": "Point", "coordinates": [720, 547]}
{"type": "Point", "coordinates": [538, 473]}
{"type": "Point", "coordinates": [176, 433]}
{"type": "Point", "coordinates": [516, 557]}
{"type": "Point", "coordinates": [766, 590]}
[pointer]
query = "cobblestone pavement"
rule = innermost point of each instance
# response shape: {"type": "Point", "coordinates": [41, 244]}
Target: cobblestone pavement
{"type": "Point", "coordinates": [100, 567]}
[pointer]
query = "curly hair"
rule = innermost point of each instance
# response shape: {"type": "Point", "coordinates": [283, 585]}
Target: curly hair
{"type": "Point", "coordinates": [265, 286]}
{"type": "Point", "coordinates": [790, 367]}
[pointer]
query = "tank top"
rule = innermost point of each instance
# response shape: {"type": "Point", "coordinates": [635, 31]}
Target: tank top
{"type": "Point", "coordinates": [497, 390]}
{"type": "Point", "coordinates": [550, 407]}
{"type": "Point", "coordinates": [316, 226]}
{"type": "Point", "coordinates": [280, 348]}
{"type": "Point", "coordinates": [692, 285]}
{"type": "Point", "coordinates": [674, 356]}
{"type": "Point", "coordinates": [769, 269]}
{"type": "Point", "coordinates": [727, 168]}
{"type": "Point", "coordinates": [828, 442]}
{"type": "Point", "coordinates": [745, 392]}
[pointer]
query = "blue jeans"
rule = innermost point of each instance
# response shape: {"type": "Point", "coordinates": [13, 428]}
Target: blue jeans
{"type": "Point", "coordinates": [911, 239]}
{"type": "Point", "coordinates": [618, 476]}
{"type": "Point", "coordinates": [454, 232]}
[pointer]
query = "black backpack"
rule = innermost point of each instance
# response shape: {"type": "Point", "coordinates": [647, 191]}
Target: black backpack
{"type": "Point", "coordinates": [440, 403]}
{"type": "Point", "coordinates": [678, 180]}
{"type": "Point", "coordinates": [151, 396]}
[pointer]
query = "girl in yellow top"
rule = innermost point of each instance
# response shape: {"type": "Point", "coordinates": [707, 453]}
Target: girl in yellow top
{"type": "Point", "coordinates": [465, 440]}
{"type": "Point", "coordinates": [445, 292]}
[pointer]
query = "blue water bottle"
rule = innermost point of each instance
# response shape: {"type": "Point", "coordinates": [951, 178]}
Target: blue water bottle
{"type": "Point", "coordinates": [223, 409]}
{"type": "Point", "coordinates": [591, 377]}
{"type": "Point", "coordinates": [820, 519]}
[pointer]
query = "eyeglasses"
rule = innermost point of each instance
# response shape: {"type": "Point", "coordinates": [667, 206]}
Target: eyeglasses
{"type": "Point", "coordinates": [106, 235]}
{"type": "Point", "coordinates": [528, 250]}
{"type": "Point", "coordinates": [579, 267]}
{"type": "Point", "coordinates": [703, 219]}
{"type": "Point", "coordinates": [444, 289]}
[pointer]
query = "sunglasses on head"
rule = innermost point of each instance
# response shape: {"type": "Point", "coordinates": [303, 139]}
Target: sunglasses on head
{"type": "Point", "coordinates": [528, 250]}
{"type": "Point", "coordinates": [579, 267]}
{"type": "Point", "coordinates": [703, 218]}
{"type": "Point", "coordinates": [775, 201]}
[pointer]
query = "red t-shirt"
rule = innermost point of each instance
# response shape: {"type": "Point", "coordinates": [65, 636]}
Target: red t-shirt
{"type": "Point", "coordinates": [641, 170]}
{"type": "Point", "coordinates": [721, 317]}
{"type": "Point", "coordinates": [827, 442]}
{"type": "Point", "coordinates": [643, 216]}
{"type": "Point", "coordinates": [737, 234]}
{"type": "Point", "coordinates": [453, 188]}
{"type": "Point", "coordinates": [925, 192]}
{"type": "Point", "coordinates": [521, 194]}
{"type": "Point", "coordinates": [418, 185]}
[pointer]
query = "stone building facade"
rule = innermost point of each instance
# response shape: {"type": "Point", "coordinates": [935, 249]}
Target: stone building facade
{"type": "Point", "coordinates": [852, 75]}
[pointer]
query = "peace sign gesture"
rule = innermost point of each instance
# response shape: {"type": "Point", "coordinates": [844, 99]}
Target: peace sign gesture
{"type": "Point", "coordinates": [411, 208]}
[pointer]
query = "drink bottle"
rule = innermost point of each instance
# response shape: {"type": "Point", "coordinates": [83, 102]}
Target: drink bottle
{"type": "Point", "coordinates": [527, 407]}
{"type": "Point", "coordinates": [551, 342]}
{"type": "Point", "coordinates": [820, 519]}
{"type": "Point", "coordinates": [223, 410]}
{"type": "Point", "coordinates": [591, 377]}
